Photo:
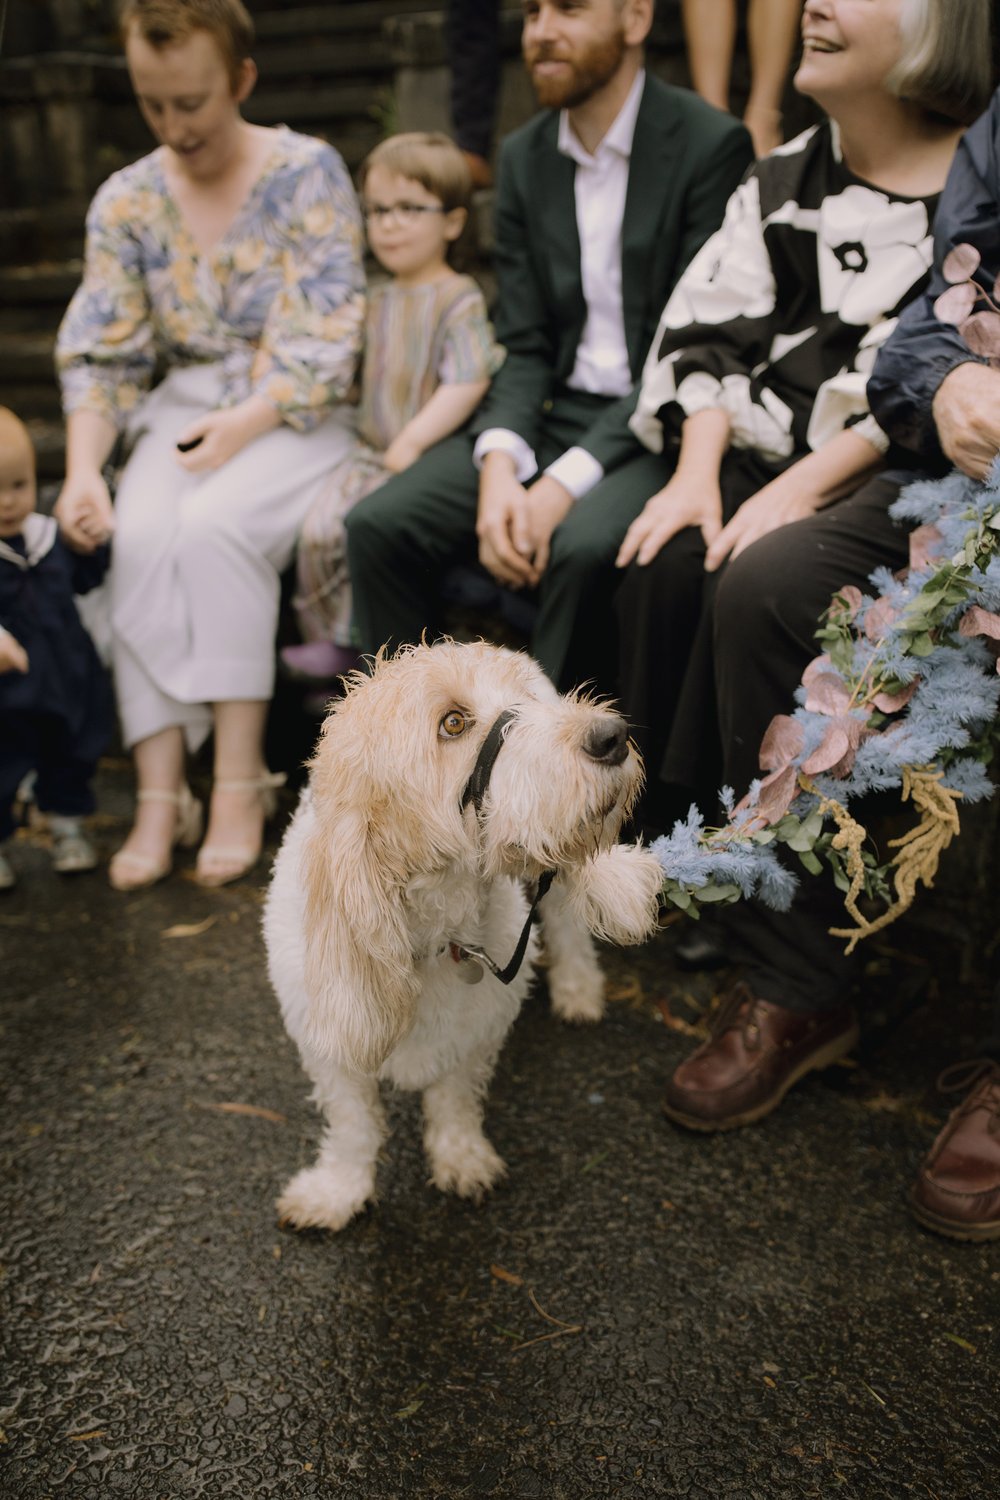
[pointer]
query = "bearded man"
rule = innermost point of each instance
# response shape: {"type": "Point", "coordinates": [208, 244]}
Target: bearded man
{"type": "Point", "coordinates": [601, 201]}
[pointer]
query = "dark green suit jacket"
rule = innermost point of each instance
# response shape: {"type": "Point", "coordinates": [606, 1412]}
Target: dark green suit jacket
{"type": "Point", "coordinates": [686, 160]}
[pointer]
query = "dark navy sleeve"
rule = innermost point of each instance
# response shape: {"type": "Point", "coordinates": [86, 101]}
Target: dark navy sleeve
{"type": "Point", "coordinates": [922, 350]}
{"type": "Point", "coordinates": [88, 569]}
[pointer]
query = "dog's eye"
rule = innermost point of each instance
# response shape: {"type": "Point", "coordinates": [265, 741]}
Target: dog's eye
{"type": "Point", "coordinates": [453, 724]}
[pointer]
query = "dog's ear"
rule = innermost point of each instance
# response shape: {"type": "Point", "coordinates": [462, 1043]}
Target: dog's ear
{"type": "Point", "coordinates": [358, 965]}
{"type": "Point", "coordinates": [615, 893]}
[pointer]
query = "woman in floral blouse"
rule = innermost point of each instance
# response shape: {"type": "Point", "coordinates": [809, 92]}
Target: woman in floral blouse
{"type": "Point", "coordinates": [231, 258]}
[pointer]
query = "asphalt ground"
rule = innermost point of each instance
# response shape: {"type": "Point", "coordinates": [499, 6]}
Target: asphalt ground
{"type": "Point", "coordinates": [637, 1311]}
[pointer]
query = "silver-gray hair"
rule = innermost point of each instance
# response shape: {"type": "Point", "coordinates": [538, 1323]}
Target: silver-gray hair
{"type": "Point", "coordinates": [946, 61]}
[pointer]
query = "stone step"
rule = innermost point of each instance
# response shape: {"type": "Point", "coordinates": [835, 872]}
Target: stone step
{"type": "Point", "coordinates": [338, 19]}
{"type": "Point", "coordinates": [49, 441]}
{"type": "Point", "coordinates": [34, 297]}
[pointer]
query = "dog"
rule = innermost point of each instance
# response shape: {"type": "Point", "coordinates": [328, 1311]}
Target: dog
{"type": "Point", "coordinates": [397, 926]}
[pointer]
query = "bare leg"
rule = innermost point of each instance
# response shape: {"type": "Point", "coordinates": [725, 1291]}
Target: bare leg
{"type": "Point", "coordinates": [235, 831]}
{"type": "Point", "coordinates": [772, 30]}
{"type": "Point", "coordinates": [328, 1194]}
{"type": "Point", "coordinates": [710, 31]}
{"type": "Point", "coordinates": [159, 767]}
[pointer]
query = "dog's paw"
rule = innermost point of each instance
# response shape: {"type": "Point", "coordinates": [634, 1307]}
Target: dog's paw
{"type": "Point", "coordinates": [318, 1198]}
{"type": "Point", "coordinates": [468, 1167]}
{"type": "Point", "coordinates": [577, 997]}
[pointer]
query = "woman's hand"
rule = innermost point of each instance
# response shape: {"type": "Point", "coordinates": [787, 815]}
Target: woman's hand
{"type": "Point", "coordinates": [84, 511]}
{"type": "Point", "coordinates": [779, 502]}
{"type": "Point", "coordinates": [681, 503]}
{"type": "Point", "coordinates": [827, 474]}
{"type": "Point", "coordinates": [219, 435]}
{"type": "Point", "coordinates": [13, 657]}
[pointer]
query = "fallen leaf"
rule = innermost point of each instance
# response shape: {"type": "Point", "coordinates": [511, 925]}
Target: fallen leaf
{"type": "Point", "coordinates": [676, 1023]}
{"type": "Point", "coordinates": [508, 1276]}
{"type": "Point", "coordinates": [189, 929]}
{"type": "Point", "coordinates": [256, 1110]}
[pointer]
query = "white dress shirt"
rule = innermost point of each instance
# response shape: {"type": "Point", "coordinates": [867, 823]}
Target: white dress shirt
{"type": "Point", "coordinates": [601, 365]}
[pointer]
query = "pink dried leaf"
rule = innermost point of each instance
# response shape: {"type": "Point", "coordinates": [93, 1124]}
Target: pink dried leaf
{"type": "Point", "coordinates": [852, 597]}
{"type": "Point", "coordinates": [831, 750]}
{"type": "Point", "coordinates": [979, 621]}
{"type": "Point", "coordinates": [880, 619]}
{"type": "Point", "coordinates": [777, 793]}
{"type": "Point", "coordinates": [817, 665]}
{"type": "Point", "coordinates": [781, 744]}
{"type": "Point", "coordinates": [982, 333]}
{"type": "Point", "coordinates": [836, 751]}
{"type": "Point", "coordinates": [925, 547]}
{"type": "Point", "coordinates": [955, 305]}
{"type": "Point", "coordinates": [827, 693]}
{"type": "Point", "coordinates": [961, 263]}
{"type": "Point", "coordinates": [891, 703]}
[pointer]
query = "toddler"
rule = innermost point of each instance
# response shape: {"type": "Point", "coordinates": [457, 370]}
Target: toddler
{"type": "Point", "coordinates": [55, 697]}
{"type": "Point", "coordinates": [429, 356]}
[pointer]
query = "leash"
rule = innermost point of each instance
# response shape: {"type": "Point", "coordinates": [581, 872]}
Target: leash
{"type": "Point", "coordinates": [472, 960]}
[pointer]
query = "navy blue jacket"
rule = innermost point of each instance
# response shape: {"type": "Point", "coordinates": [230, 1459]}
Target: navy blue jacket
{"type": "Point", "coordinates": [923, 350]}
{"type": "Point", "coordinates": [65, 678]}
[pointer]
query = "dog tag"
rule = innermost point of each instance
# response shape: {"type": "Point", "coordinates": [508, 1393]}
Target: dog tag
{"type": "Point", "coordinates": [470, 970]}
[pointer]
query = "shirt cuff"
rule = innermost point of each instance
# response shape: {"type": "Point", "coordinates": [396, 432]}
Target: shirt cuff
{"type": "Point", "coordinates": [500, 440]}
{"type": "Point", "coordinates": [577, 471]}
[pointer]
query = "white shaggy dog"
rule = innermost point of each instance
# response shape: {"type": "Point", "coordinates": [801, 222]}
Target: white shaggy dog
{"type": "Point", "coordinates": [442, 783]}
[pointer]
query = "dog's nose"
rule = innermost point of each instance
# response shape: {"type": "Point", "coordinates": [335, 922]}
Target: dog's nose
{"type": "Point", "coordinates": [607, 740]}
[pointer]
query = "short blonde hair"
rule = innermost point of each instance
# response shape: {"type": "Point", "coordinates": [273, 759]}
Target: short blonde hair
{"type": "Point", "coordinates": [162, 22]}
{"type": "Point", "coordinates": [946, 63]}
{"type": "Point", "coordinates": [428, 157]}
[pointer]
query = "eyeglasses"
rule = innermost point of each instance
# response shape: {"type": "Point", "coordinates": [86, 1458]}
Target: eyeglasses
{"type": "Point", "coordinates": [406, 214]}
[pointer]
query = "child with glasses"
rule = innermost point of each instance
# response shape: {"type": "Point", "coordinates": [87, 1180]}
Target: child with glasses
{"type": "Point", "coordinates": [55, 697]}
{"type": "Point", "coordinates": [429, 356]}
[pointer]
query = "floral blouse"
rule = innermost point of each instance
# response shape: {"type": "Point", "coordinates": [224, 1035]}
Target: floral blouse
{"type": "Point", "coordinates": [278, 302]}
{"type": "Point", "coordinates": [779, 317]}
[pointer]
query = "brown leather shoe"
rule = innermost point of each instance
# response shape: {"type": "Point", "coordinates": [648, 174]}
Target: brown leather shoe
{"type": "Point", "coordinates": [957, 1191]}
{"type": "Point", "coordinates": [757, 1050]}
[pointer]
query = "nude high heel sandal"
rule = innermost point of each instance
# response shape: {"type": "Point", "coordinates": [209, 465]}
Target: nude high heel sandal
{"type": "Point", "coordinates": [131, 871]}
{"type": "Point", "coordinates": [221, 864]}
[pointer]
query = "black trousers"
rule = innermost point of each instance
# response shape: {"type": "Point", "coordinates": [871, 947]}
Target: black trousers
{"type": "Point", "coordinates": [404, 537]}
{"type": "Point", "coordinates": [42, 743]}
{"type": "Point", "coordinates": [707, 663]}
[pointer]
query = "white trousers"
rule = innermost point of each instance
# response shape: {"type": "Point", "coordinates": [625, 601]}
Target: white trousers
{"type": "Point", "coordinates": [194, 581]}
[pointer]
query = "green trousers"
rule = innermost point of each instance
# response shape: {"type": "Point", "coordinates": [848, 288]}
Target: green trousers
{"type": "Point", "coordinates": [407, 535]}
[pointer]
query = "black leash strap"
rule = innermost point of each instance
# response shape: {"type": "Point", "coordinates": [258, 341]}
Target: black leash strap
{"type": "Point", "coordinates": [475, 791]}
{"type": "Point", "coordinates": [505, 975]}
{"type": "Point", "coordinates": [478, 783]}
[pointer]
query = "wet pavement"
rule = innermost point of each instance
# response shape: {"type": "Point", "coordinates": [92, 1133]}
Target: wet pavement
{"type": "Point", "coordinates": [636, 1312]}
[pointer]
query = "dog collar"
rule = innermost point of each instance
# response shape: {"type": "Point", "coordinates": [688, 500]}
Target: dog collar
{"type": "Point", "coordinates": [471, 960]}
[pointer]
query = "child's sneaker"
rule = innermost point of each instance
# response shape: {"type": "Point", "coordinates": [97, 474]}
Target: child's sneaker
{"type": "Point", "coordinates": [7, 876]}
{"type": "Point", "coordinates": [72, 851]}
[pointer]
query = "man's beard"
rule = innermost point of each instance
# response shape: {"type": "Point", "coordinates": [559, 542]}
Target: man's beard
{"type": "Point", "coordinates": [588, 73]}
